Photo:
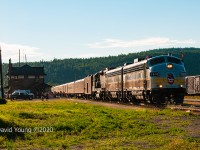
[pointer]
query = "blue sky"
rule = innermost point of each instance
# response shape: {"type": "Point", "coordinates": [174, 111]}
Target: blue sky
{"type": "Point", "coordinates": [48, 29]}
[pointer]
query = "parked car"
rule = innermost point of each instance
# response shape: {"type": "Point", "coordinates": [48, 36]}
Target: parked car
{"type": "Point", "coordinates": [21, 94]}
{"type": "Point", "coordinates": [30, 93]}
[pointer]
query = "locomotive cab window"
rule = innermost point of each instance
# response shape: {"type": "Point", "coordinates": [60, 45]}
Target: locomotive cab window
{"type": "Point", "coordinates": [174, 60]}
{"type": "Point", "coordinates": [156, 61]}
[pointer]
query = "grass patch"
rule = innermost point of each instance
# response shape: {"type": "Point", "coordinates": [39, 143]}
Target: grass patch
{"type": "Point", "coordinates": [62, 124]}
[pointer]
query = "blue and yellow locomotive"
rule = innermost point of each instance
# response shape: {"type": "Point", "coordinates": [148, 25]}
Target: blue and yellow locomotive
{"type": "Point", "coordinates": [167, 79]}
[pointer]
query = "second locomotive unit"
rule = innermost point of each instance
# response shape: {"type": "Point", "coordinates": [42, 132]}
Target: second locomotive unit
{"type": "Point", "coordinates": [156, 80]}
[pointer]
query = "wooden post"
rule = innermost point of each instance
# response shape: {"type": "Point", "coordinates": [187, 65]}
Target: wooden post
{"type": "Point", "coordinates": [19, 57]}
{"type": "Point", "coordinates": [2, 89]}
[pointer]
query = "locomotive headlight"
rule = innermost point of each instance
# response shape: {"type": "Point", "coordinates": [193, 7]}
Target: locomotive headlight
{"type": "Point", "coordinates": [169, 66]}
{"type": "Point", "coordinates": [181, 86]}
{"type": "Point", "coordinates": [160, 86]}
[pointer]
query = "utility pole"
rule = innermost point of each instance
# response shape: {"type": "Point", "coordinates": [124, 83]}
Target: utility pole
{"type": "Point", "coordinates": [2, 89]}
{"type": "Point", "coordinates": [25, 59]}
{"type": "Point", "coordinates": [19, 57]}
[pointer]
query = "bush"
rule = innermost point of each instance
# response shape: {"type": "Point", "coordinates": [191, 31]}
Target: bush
{"type": "Point", "coordinates": [3, 101]}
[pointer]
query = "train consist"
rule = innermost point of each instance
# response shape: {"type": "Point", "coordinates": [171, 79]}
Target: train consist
{"type": "Point", "coordinates": [193, 85]}
{"type": "Point", "coordinates": [156, 80]}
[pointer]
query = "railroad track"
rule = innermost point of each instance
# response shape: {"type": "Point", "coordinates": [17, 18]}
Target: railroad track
{"type": "Point", "coordinates": [186, 107]}
{"type": "Point", "coordinates": [189, 105]}
{"type": "Point", "coordinates": [194, 108]}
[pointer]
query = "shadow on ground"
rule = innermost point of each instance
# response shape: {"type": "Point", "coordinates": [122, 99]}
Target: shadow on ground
{"type": "Point", "coordinates": [7, 129]}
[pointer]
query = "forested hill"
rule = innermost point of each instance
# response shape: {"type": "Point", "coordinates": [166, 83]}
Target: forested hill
{"type": "Point", "coordinates": [65, 70]}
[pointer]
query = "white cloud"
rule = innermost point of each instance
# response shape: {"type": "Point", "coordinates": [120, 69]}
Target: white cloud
{"type": "Point", "coordinates": [12, 51]}
{"type": "Point", "coordinates": [155, 41]}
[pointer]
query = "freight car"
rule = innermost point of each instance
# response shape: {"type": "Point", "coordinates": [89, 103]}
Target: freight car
{"type": "Point", "coordinates": [193, 85]}
{"type": "Point", "coordinates": [156, 80]}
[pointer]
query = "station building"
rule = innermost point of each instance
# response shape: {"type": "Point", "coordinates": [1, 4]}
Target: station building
{"type": "Point", "coordinates": [26, 78]}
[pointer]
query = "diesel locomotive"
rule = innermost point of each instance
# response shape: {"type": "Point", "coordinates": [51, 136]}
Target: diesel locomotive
{"type": "Point", "coordinates": [159, 79]}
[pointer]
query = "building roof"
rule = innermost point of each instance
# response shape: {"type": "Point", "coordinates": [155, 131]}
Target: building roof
{"type": "Point", "coordinates": [27, 70]}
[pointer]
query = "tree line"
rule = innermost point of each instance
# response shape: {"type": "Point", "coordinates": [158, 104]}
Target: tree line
{"type": "Point", "coordinates": [66, 70]}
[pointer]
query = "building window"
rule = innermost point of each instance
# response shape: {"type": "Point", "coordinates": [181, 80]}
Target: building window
{"type": "Point", "coordinates": [20, 77]}
{"type": "Point", "coordinates": [41, 77]}
{"type": "Point", "coordinates": [31, 77]}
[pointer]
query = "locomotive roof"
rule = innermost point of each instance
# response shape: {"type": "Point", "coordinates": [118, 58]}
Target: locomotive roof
{"type": "Point", "coordinates": [113, 70]}
{"type": "Point", "coordinates": [163, 56]}
{"type": "Point", "coordinates": [135, 64]}
{"type": "Point", "coordinates": [79, 80]}
{"type": "Point", "coordinates": [70, 83]}
{"type": "Point", "coordinates": [127, 66]}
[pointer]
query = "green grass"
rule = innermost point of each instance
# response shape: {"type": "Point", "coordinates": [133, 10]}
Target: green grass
{"type": "Point", "coordinates": [62, 124]}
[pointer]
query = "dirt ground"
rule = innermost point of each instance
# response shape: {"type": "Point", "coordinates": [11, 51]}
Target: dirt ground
{"type": "Point", "coordinates": [111, 104]}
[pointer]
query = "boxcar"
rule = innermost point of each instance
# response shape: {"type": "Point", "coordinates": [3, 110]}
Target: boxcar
{"type": "Point", "coordinates": [190, 85]}
{"type": "Point", "coordinates": [197, 84]}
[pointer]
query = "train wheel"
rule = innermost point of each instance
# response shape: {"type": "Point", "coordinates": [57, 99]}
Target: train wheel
{"type": "Point", "coordinates": [153, 100]}
{"type": "Point", "coordinates": [134, 101]}
{"type": "Point", "coordinates": [156, 100]}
